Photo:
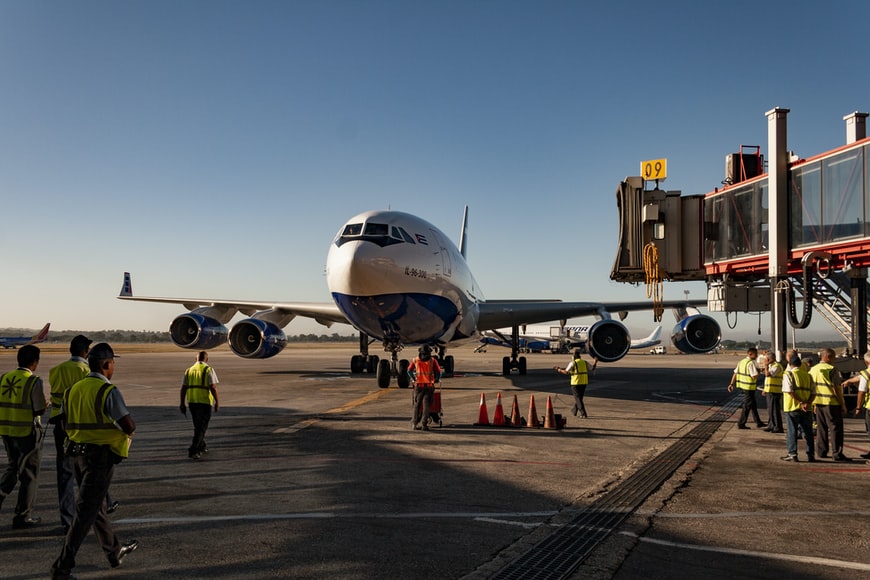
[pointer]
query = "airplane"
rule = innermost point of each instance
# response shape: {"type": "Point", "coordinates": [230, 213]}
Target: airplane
{"type": "Point", "coordinates": [556, 339]}
{"type": "Point", "coordinates": [16, 341]}
{"type": "Point", "coordinates": [399, 280]}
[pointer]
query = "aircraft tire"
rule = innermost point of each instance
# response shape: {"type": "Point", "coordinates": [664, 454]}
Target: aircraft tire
{"type": "Point", "coordinates": [356, 364]}
{"type": "Point", "coordinates": [384, 374]}
{"type": "Point", "coordinates": [448, 365]}
{"type": "Point", "coordinates": [523, 366]}
{"type": "Point", "coordinates": [403, 380]}
{"type": "Point", "coordinates": [506, 366]}
{"type": "Point", "coordinates": [372, 364]}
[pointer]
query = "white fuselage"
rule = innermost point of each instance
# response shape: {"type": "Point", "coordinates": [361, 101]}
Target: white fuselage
{"type": "Point", "coordinates": [396, 276]}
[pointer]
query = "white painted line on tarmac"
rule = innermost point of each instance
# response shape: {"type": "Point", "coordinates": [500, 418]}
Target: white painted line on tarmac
{"type": "Point", "coordinates": [751, 553]}
{"type": "Point", "coordinates": [482, 516]}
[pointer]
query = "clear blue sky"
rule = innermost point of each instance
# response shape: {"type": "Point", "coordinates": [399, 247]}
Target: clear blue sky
{"type": "Point", "coordinates": [213, 148]}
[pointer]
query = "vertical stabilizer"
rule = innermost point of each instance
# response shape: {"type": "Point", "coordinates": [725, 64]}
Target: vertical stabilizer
{"type": "Point", "coordinates": [463, 239]}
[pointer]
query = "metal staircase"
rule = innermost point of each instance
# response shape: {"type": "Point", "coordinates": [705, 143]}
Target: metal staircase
{"type": "Point", "coordinates": [831, 299]}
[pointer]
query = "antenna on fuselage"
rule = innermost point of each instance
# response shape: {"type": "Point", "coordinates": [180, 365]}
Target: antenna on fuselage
{"type": "Point", "coordinates": [462, 235]}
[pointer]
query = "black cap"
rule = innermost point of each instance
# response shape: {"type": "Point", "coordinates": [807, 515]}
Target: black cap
{"type": "Point", "coordinates": [795, 361]}
{"type": "Point", "coordinates": [79, 343]}
{"type": "Point", "coordinates": [101, 351]}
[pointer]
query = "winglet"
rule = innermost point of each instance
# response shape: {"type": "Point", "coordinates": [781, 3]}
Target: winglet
{"type": "Point", "coordinates": [127, 286]}
{"type": "Point", "coordinates": [463, 240]}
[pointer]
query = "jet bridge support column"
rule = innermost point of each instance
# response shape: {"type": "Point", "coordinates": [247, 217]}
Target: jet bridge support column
{"type": "Point", "coordinates": [858, 291]}
{"type": "Point", "coordinates": [778, 216]}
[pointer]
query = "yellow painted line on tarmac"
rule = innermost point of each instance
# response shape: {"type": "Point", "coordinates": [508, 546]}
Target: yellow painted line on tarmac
{"type": "Point", "coordinates": [305, 423]}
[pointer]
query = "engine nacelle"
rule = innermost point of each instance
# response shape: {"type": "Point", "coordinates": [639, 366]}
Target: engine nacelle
{"type": "Point", "coordinates": [195, 331]}
{"type": "Point", "coordinates": [696, 334]}
{"type": "Point", "coordinates": [608, 340]}
{"type": "Point", "coordinates": [255, 338]}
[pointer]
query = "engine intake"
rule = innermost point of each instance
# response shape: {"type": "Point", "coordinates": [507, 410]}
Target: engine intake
{"type": "Point", "coordinates": [196, 331]}
{"type": "Point", "coordinates": [696, 334]}
{"type": "Point", "coordinates": [255, 338]}
{"type": "Point", "coordinates": [608, 340]}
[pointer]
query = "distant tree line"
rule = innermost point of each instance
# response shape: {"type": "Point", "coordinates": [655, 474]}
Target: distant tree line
{"type": "Point", "coordinates": [151, 336]}
{"type": "Point", "coordinates": [801, 346]}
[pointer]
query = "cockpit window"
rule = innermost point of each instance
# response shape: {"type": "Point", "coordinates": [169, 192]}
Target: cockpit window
{"type": "Point", "coordinates": [380, 234]}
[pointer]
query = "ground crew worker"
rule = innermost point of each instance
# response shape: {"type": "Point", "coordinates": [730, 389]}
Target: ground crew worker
{"type": "Point", "coordinates": [22, 403]}
{"type": "Point", "coordinates": [773, 392]}
{"type": "Point", "coordinates": [863, 406]}
{"type": "Point", "coordinates": [830, 404]}
{"type": "Point", "coordinates": [199, 390]}
{"type": "Point", "coordinates": [424, 371]}
{"type": "Point", "coordinates": [745, 377]}
{"type": "Point", "coordinates": [579, 372]}
{"type": "Point", "coordinates": [798, 395]}
{"type": "Point", "coordinates": [99, 428]}
{"type": "Point", "coordinates": [60, 379]}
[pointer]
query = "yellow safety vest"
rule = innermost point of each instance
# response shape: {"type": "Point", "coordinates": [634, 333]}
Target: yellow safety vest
{"type": "Point", "coordinates": [866, 374]}
{"type": "Point", "coordinates": [744, 380]}
{"type": "Point", "coordinates": [16, 406]}
{"type": "Point", "coordinates": [198, 378]}
{"type": "Point", "coordinates": [61, 378]}
{"type": "Point", "coordinates": [825, 393]}
{"type": "Point", "coordinates": [773, 384]}
{"type": "Point", "coordinates": [580, 372]}
{"type": "Point", "coordinates": [86, 419]}
{"type": "Point", "coordinates": [801, 390]}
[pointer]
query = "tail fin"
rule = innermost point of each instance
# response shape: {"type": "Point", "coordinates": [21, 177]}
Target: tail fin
{"type": "Point", "coordinates": [463, 240]}
{"type": "Point", "coordinates": [41, 335]}
{"type": "Point", "coordinates": [127, 286]}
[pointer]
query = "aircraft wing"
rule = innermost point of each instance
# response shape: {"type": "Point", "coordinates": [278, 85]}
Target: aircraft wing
{"type": "Point", "coordinates": [500, 313]}
{"type": "Point", "coordinates": [326, 313]}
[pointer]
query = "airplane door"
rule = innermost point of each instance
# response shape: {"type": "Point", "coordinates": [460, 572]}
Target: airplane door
{"type": "Point", "coordinates": [446, 266]}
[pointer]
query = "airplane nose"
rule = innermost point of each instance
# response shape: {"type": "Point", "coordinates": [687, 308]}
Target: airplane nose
{"type": "Point", "coordinates": [357, 268]}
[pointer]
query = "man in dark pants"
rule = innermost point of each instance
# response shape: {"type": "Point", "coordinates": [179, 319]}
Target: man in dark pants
{"type": "Point", "coordinates": [199, 390]}
{"type": "Point", "coordinates": [22, 403]}
{"type": "Point", "coordinates": [745, 377]}
{"type": "Point", "coordinates": [829, 404]}
{"type": "Point", "coordinates": [99, 428]}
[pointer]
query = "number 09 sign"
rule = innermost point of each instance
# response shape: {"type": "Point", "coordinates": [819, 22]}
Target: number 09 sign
{"type": "Point", "coordinates": [654, 169]}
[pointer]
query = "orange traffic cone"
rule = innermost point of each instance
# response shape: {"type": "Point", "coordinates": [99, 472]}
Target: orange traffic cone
{"type": "Point", "coordinates": [550, 419]}
{"type": "Point", "coordinates": [498, 416]}
{"type": "Point", "coordinates": [483, 416]}
{"type": "Point", "coordinates": [516, 419]}
{"type": "Point", "coordinates": [533, 420]}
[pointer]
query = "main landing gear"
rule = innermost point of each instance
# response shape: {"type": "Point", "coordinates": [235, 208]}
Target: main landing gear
{"type": "Point", "coordinates": [514, 362]}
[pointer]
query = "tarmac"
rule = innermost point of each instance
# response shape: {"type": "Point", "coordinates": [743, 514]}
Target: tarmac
{"type": "Point", "coordinates": [314, 472]}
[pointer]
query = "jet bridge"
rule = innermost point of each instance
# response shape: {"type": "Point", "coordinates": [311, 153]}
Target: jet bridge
{"type": "Point", "coordinates": [789, 239]}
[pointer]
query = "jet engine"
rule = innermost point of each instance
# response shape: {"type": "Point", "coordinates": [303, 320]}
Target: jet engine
{"type": "Point", "coordinates": [256, 338]}
{"type": "Point", "coordinates": [608, 340]}
{"type": "Point", "coordinates": [195, 331]}
{"type": "Point", "coordinates": [696, 334]}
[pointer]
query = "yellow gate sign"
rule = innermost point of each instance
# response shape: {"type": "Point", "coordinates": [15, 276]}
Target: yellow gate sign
{"type": "Point", "coordinates": [654, 169]}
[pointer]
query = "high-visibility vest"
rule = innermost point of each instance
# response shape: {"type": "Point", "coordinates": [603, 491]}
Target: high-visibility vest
{"type": "Point", "coordinates": [773, 384]}
{"type": "Point", "coordinates": [579, 372]}
{"type": "Point", "coordinates": [425, 370]}
{"type": "Point", "coordinates": [801, 389]}
{"type": "Point", "coordinates": [86, 419]}
{"type": "Point", "coordinates": [866, 374]}
{"type": "Point", "coordinates": [744, 380]}
{"type": "Point", "coordinates": [16, 407]}
{"type": "Point", "coordinates": [61, 378]}
{"type": "Point", "coordinates": [825, 393]}
{"type": "Point", "coordinates": [198, 379]}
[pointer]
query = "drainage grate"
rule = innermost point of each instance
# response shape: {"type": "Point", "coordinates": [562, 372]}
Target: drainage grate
{"type": "Point", "coordinates": [564, 550]}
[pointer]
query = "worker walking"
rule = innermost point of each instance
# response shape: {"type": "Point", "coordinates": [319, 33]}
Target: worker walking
{"type": "Point", "coordinates": [99, 428]}
{"type": "Point", "coordinates": [578, 369]}
{"type": "Point", "coordinates": [22, 403]}
{"type": "Point", "coordinates": [830, 404]}
{"type": "Point", "coordinates": [745, 377]}
{"type": "Point", "coordinates": [424, 371]}
{"type": "Point", "coordinates": [199, 390]}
